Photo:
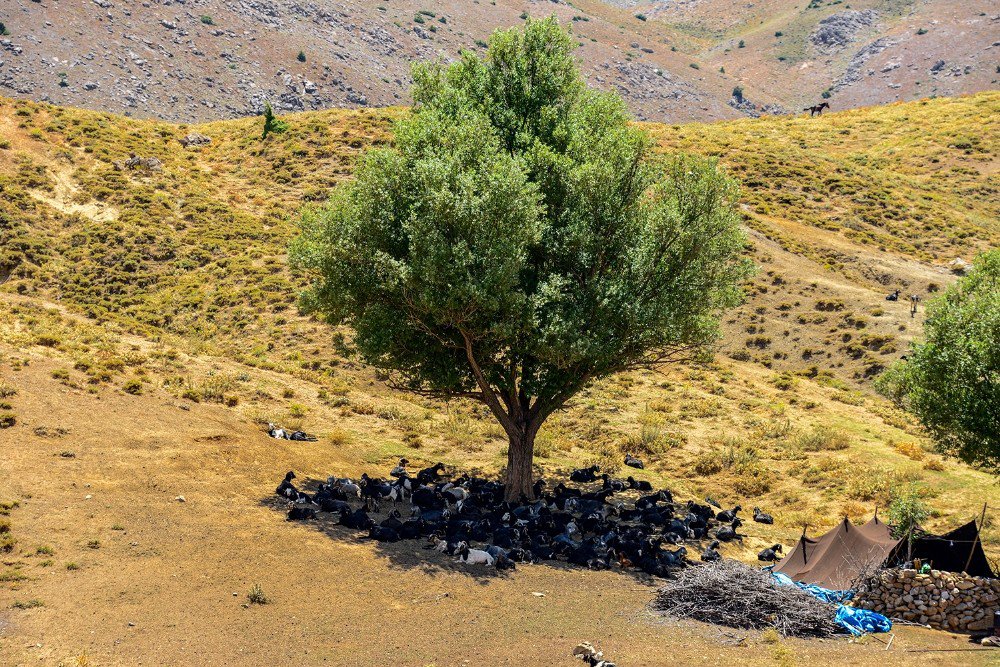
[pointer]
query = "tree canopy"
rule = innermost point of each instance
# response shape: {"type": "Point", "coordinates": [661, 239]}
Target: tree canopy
{"type": "Point", "coordinates": [951, 379]}
{"type": "Point", "coordinates": [521, 238]}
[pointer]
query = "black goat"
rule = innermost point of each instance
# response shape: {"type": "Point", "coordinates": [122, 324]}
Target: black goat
{"type": "Point", "coordinates": [584, 475]}
{"type": "Point", "coordinates": [770, 555]}
{"type": "Point", "coordinates": [299, 513]}
{"type": "Point", "coordinates": [430, 475]}
{"type": "Point", "coordinates": [711, 554]}
{"type": "Point", "coordinates": [638, 484]}
{"type": "Point", "coordinates": [761, 517]}
{"type": "Point", "coordinates": [727, 516]}
{"type": "Point", "coordinates": [633, 462]}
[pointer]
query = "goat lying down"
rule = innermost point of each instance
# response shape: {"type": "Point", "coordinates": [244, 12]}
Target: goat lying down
{"type": "Point", "coordinates": [475, 557]}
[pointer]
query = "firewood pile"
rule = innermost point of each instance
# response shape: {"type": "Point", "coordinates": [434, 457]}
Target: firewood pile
{"type": "Point", "coordinates": [735, 595]}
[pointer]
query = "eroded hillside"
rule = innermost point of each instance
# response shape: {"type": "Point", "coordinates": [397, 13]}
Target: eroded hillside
{"type": "Point", "coordinates": [672, 60]}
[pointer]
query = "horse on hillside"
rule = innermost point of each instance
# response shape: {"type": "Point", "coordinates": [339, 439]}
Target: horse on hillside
{"type": "Point", "coordinates": [817, 109]}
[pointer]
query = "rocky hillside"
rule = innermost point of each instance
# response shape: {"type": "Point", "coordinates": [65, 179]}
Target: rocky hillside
{"type": "Point", "coordinates": [673, 60]}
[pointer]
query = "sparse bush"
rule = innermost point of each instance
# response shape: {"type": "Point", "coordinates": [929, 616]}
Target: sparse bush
{"type": "Point", "coordinates": [823, 438]}
{"type": "Point", "coordinates": [256, 595]}
{"type": "Point", "coordinates": [301, 57]}
{"type": "Point", "coordinates": [935, 464]}
{"type": "Point", "coordinates": [133, 387]}
{"type": "Point", "coordinates": [207, 20]}
{"type": "Point", "coordinates": [910, 450]}
{"type": "Point", "coordinates": [871, 484]}
{"type": "Point", "coordinates": [708, 463]}
{"type": "Point", "coordinates": [7, 419]}
{"type": "Point", "coordinates": [652, 441]}
{"type": "Point", "coordinates": [338, 437]}
{"type": "Point", "coordinates": [28, 604]}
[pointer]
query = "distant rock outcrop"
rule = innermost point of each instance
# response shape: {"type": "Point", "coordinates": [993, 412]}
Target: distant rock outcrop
{"type": "Point", "coordinates": [855, 68]}
{"type": "Point", "coordinates": [836, 31]}
{"type": "Point", "coordinates": [195, 139]}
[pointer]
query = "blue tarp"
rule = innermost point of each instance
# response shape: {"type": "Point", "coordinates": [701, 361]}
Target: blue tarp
{"type": "Point", "coordinates": [861, 621]}
{"type": "Point", "coordinates": [855, 621]}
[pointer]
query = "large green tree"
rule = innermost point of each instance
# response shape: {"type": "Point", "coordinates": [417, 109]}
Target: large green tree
{"type": "Point", "coordinates": [951, 379]}
{"type": "Point", "coordinates": [521, 239]}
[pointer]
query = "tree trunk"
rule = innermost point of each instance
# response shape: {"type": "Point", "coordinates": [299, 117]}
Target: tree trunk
{"type": "Point", "coordinates": [520, 454]}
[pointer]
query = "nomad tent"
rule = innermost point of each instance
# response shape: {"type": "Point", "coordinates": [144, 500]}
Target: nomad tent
{"type": "Point", "coordinates": [958, 550]}
{"type": "Point", "coordinates": [836, 559]}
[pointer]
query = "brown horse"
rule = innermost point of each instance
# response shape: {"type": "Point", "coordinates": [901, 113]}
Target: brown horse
{"type": "Point", "coordinates": [817, 109]}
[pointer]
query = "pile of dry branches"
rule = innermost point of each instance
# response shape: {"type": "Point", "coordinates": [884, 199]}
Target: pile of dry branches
{"type": "Point", "coordinates": [738, 596]}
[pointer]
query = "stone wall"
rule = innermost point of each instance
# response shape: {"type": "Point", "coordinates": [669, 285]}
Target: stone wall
{"type": "Point", "coordinates": [943, 600]}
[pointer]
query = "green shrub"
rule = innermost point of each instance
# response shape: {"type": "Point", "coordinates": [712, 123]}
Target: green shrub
{"type": "Point", "coordinates": [256, 595]}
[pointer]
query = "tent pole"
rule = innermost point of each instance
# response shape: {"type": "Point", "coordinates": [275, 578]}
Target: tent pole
{"type": "Point", "coordinates": [982, 520]}
{"type": "Point", "coordinates": [909, 543]}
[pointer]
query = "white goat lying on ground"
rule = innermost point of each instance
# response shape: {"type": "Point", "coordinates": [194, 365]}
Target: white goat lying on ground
{"type": "Point", "coordinates": [474, 557]}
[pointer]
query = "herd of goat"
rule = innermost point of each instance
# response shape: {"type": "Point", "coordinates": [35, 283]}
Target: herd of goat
{"type": "Point", "coordinates": [590, 528]}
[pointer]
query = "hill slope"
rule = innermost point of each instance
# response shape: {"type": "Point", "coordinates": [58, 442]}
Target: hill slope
{"type": "Point", "coordinates": [148, 323]}
{"type": "Point", "coordinates": [191, 257]}
{"type": "Point", "coordinates": [672, 61]}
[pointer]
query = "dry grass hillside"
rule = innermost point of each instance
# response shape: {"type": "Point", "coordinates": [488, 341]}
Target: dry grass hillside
{"type": "Point", "coordinates": [149, 326]}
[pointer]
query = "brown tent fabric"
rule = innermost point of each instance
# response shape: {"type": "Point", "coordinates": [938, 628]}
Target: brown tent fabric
{"type": "Point", "coordinates": [835, 559]}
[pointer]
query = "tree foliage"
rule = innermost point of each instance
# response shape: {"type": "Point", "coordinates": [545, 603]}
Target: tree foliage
{"type": "Point", "coordinates": [272, 124]}
{"type": "Point", "coordinates": [521, 239]}
{"type": "Point", "coordinates": [906, 512]}
{"type": "Point", "coordinates": [951, 379]}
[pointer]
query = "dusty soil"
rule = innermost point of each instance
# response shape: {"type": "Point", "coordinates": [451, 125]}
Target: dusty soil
{"type": "Point", "coordinates": [167, 581]}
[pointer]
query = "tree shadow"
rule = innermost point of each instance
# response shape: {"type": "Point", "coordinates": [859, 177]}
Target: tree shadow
{"type": "Point", "coordinates": [418, 555]}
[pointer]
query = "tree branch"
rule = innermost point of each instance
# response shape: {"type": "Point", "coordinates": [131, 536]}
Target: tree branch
{"type": "Point", "coordinates": [489, 396]}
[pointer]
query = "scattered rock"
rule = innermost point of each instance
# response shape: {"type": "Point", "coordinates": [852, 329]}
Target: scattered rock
{"type": "Point", "coordinates": [180, 499]}
{"type": "Point", "coordinates": [836, 31]}
{"type": "Point", "coordinates": [195, 139]}
{"type": "Point", "coordinates": [959, 266]}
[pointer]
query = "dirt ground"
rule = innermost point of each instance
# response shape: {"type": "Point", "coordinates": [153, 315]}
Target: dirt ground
{"type": "Point", "coordinates": [164, 582]}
